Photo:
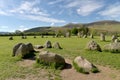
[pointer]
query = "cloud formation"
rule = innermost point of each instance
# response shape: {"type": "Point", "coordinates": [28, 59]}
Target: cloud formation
{"type": "Point", "coordinates": [30, 10]}
{"type": "Point", "coordinates": [85, 7]}
{"type": "Point", "coordinates": [44, 19]}
{"type": "Point", "coordinates": [112, 11]}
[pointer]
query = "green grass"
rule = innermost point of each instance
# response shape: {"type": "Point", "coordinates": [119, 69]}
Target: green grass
{"type": "Point", "coordinates": [51, 65]}
{"type": "Point", "coordinates": [72, 47]}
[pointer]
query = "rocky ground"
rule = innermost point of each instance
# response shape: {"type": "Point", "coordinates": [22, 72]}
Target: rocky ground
{"type": "Point", "coordinates": [69, 73]}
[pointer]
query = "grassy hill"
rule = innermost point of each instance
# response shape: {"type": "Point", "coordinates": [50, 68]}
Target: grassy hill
{"type": "Point", "coordinates": [105, 25]}
{"type": "Point", "coordinates": [38, 29]}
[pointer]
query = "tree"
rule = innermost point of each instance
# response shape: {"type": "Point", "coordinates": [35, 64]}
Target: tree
{"type": "Point", "coordinates": [74, 31]}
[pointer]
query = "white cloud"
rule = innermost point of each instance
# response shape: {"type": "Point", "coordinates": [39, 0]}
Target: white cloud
{"type": "Point", "coordinates": [3, 13]}
{"type": "Point", "coordinates": [22, 28]}
{"type": "Point", "coordinates": [54, 2]}
{"type": "Point", "coordinates": [29, 8]}
{"type": "Point", "coordinates": [85, 7]}
{"type": "Point", "coordinates": [52, 24]}
{"type": "Point", "coordinates": [3, 27]}
{"type": "Point", "coordinates": [73, 4]}
{"type": "Point", "coordinates": [112, 11]}
{"type": "Point", "coordinates": [44, 19]}
{"type": "Point", "coordinates": [88, 9]}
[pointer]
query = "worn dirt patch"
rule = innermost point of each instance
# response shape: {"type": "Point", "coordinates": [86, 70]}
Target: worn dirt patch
{"type": "Point", "coordinates": [105, 74]}
{"type": "Point", "coordinates": [69, 73]}
{"type": "Point", "coordinates": [26, 63]}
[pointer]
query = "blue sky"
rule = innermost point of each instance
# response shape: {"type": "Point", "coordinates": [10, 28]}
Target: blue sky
{"type": "Point", "coordinates": [25, 14]}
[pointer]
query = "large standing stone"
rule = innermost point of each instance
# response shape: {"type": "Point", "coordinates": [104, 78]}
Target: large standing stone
{"type": "Point", "coordinates": [92, 45]}
{"type": "Point", "coordinates": [102, 37]}
{"type": "Point", "coordinates": [23, 50]}
{"type": "Point", "coordinates": [113, 47]}
{"type": "Point", "coordinates": [30, 47]}
{"type": "Point", "coordinates": [56, 45]}
{"type": "Point", "coordinates": [48, 44]}
{"type": "Point", "coordinates": [84, 66]}
{"type": "Point", "coordinates": [16, 48]}
{"type": "Point", "coordinates": [114, 37]}
{"type": "Point", "coordinates": [107, 47]}
{"type": "Point", "coordinates": [48, 57]}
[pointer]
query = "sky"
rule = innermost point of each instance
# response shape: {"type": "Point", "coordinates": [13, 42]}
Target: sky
{"type": "Point", "coordinates": [25, 14]}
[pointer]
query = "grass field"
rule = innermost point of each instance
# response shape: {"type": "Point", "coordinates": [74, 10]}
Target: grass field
{"type": "Point", "coordinates": [72, 47]}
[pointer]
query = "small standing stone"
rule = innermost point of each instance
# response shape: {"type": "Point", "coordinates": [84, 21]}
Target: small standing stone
{"type": "Point", "coordinates": [34, 36]}
{"type": "Point", "coordinates": [68, 34]}
{"type": "Point", "coordinates": [11, 38]}
{"type": "Point", "coordinates": [114, 37]}
{"type": "Point", "coordinates": [56, 45]}
{"type": "Point", "coordinates": [102, 37]}
{"type": "Point", "coordinates": [92, 45]}
{"type": "Point", "coordinates": [42, 36]}
{"type": "Point", "coordinates": [91, 36]}
{"type": "Point", "coordinates": [85, 36]}
{"type": "Point", "coordinates": [79, 35]}
{"type": "Point", "coordinates": [84, 66]}
{"type": "Point", "coordinates": [48, 44]}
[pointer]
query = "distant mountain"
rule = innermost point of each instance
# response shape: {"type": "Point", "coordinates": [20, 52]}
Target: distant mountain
{"type": "Point", "coordinates": [4, 32]}
{"type": "Point", "coordinates": [101, 25]}
{"type": "Point", "coordinates": [104, 22]}
{"type": "Point", "coordinates": [38, 29]}
{"type": "Point", "coordinates": [71, 25]}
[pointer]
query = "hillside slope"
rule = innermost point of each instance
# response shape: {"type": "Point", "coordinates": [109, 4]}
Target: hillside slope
{"type": "Point", "coordinates": [107, 25]}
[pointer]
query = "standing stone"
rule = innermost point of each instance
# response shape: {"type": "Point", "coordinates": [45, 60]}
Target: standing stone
{"type": "Point", "coordinates": [11, 38]}
{"type": "Point", "coordinates": [16, 48]}
{"type": "Point", "coordinates": [22, 37]}
{"type": "Point", "coordinates": [25, 37]}
{"type": "Point", "coordinates": [79, 35]}
{"type": "Point", "coordinates": [114, 37]}
{"type": "Point", "coordinates": [30, 47]}
{"type": "Point", "coordinates": [68, 34]}
{"type": "Point", "coordinates": [23, 50]}
{"type": "Point", "coordinates": [117, 40]}
{"type": "Point", "coordinates": [56, 35]}
{"type": "Point", "coordinates": [92, 45]}
{"type": "Point", "coordinates": [51, 58]}
{"type": "Point", "coordinates": [56, 45]}
{"type": "Point", "coordinates": [34, 36]}
{"type": "Point", "coordinates": [85, 36]}
{"type": "Point", "coordinates": [48, 44]}
{"type": "Point", "coordinates": [42, 36]}
{"type": "Point", "coordinates": [102, 37]}
{"type": "Point", "coordinates": [91, 36]}
{"type": "Point", "coordinates": [84, 66]}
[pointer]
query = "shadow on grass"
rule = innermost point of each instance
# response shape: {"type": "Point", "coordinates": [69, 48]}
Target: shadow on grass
{"type": "Point", "coordinates": [67, 66]}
